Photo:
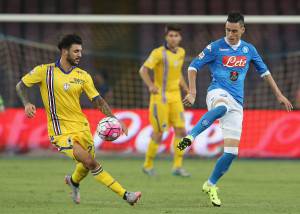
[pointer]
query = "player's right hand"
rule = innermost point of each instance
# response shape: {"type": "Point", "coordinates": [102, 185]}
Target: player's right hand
{"type": "Point", "coordinates": [30, 110]}
{"type": "Point", "coordinates": [124, 127]}
{"type": "Point", "coordinates": [153, 89]}
{"type": "Point", "coordinates": [189, 99]}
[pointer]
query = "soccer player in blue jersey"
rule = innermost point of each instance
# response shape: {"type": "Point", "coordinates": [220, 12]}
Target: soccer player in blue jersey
{"type": "Point", "coordinates": [228, 59]}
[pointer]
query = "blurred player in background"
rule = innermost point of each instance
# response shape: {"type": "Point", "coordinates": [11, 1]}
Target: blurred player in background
{"type": "Point", "coordinates": [228, 59]}
{"type": "Point", "coordinates": [166, 108]}
{"type": "Point", "coordinates": [61, 84]}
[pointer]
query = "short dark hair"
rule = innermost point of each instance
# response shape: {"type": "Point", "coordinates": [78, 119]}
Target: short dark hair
{"type": "Point", "coordinates": [236, 17]}
{"type": "Point", "coordinates": [68, 40]}
{"type": "Point", "coordinates": [172, 27]}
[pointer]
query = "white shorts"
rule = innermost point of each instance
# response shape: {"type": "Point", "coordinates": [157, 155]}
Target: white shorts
{"type": "Point", "coordinates": [231, 122]}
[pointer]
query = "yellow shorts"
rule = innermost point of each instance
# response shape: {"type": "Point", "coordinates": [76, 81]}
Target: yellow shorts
{"type": "Point", "coordinates": [163, 115]}
{"type": "Point", "coordinates": [64, 142]}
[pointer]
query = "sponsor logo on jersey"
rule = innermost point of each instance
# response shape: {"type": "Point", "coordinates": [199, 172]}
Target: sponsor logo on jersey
{"type": "Point", "coordinates": [77, 81]}
{"type": "Point", "coordinates": [234, 61]}
{"type": "Point", "coordinates": [234, 75]}
{"type": "Point", "coordinates": [201, 55]}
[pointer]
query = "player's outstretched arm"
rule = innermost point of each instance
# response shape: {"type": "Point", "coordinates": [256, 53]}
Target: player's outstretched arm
{"type": "Point", "coordinates": [102, 105]}
{"type": "Point", "coordinates": [191, 96]}
{"type": "Point", "coordinates": [23, 93]}
{"type": "Point", "coordinates": [280, 97]}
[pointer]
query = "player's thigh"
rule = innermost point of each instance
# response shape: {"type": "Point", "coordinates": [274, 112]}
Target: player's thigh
{"type": "Point", "coordinates": [176, 115]}
{"type": "Point", "coordinates": [65, 143]}
{"type": "Point", "coordinates": [158, 116]}
{"type": "Point", "coordinates": [85, 139]}
{"type": "Point", "coordinates": [217, 96]}
{"type": "Point", "coordinates": [231, 124]}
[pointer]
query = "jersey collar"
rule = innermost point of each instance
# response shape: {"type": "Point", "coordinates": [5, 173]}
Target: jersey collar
{"type": "Point", "coordinates": [57, 64]}
{"type": "Point", "coordinates": [166, 47]}
{"type": "Point", "coordinates": [234, 47]}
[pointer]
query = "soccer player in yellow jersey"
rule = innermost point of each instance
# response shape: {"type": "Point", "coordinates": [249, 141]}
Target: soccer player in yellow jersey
{"type": "Point", "coordinates": [166, 108]}
{"type": "Point", "coordinates": [61, 85]}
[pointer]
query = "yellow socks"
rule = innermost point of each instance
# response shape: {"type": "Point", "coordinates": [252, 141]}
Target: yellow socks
{"type": "Point", "coordinates": [178, 155]}
{"type": "Point", "coordinates": [150, 154]}
{"type": "Point", "coordinates": [79, 173]}
{"type": "Point", "coordinates": [105, 178]}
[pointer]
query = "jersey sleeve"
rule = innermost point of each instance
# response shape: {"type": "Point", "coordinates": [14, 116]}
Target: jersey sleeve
{"type": "Point", "coordinates": [35, 76]}
{"type": "Point", "coordinates": [205, 57]}
{"type": "Point", "coordinates": [259, 64]}
{"type": "Point", "coordinates": [153, 59]}
{"type": "Point", "coordinates": [89, 88]}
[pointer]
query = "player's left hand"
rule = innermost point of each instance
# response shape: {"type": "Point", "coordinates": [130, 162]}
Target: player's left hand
{"type": "Point", "coordinates": [189, 99]}
{"type": "Point", "coordinates": [124, 128]}
{"type": "Point", "coordinates": [284, 101]}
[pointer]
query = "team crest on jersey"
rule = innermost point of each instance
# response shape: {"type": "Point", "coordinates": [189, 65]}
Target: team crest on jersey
{"type": "Point", "coordinates": [176, 63]}
{"type": "Point", "coordinates": [234, 75]}
{"type": "Point", "coordinates": [66, 86]}
{"type": "Point", "coordinates": [245, 49]}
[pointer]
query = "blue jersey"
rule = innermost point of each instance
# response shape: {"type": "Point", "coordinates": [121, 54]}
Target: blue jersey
{"type": "Point", "coordinates": [228, 66]}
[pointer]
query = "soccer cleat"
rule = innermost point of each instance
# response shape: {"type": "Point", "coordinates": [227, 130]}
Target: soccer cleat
{"type": "Point", "coordinates": [75, 190]}
{"type": "Point", "coordinates": [211, 191]}
{"type": "Point", "coordinates": [150, 172]}
{"type": "Point", "coordinates": [133, 197]}
{"type": "Point", "coordinates": [180, 172]}
{"type": "Point", "coordinates": [185, 142]}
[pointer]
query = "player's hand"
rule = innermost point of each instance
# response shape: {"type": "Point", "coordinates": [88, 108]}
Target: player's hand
{"type": "Point", "coordinates": [153, 89]}
{"type": "Point", "coordinates": [30, 110]}
{"type": "Point", "coordinates": [189, 99]}
{"type": "Point", "coordinates": [284, 101]}
{"type": "Point", "coordinates": [124, 128]}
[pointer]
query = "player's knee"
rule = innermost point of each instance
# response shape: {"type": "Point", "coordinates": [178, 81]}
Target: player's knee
{"type": "Point", "coordinates": [234, 151]}
{"type": "Point", "coordinates": [180, 132]}
{"type": "Point", "coordinates": [222, 106]}
{"type": "Point", "coordinates": [90, 163]}
{"type": "Point", "coordinates": [157, 136]}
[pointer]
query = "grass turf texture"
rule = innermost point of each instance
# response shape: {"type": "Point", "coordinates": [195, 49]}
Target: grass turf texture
{"type": "Point", "coordinates": [36, 186]}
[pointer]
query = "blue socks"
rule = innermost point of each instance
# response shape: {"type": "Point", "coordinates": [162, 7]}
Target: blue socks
{"type": "Point", "coordinates": [222, 165]}
{"type": "Point", "coordinates": [224, 162]}
{"type": "Point", "coordinates": [207, 119]}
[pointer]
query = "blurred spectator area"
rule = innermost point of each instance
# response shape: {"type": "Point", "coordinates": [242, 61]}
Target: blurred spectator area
{"type": "Point", "coordinates": [120, 49]}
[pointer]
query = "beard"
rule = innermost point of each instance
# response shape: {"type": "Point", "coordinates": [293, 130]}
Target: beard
{"type": "Point", "coordinates": [72, 61]}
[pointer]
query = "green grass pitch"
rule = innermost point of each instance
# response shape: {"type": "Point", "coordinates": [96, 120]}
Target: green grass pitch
{"type": "Point", "coordinates": [35, 186]}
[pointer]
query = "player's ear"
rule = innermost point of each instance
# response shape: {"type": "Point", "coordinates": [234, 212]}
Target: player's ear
{"type": "Point", "coordinates": [64, 51]}
{"type": "Point", "coordinates": [243, 30]}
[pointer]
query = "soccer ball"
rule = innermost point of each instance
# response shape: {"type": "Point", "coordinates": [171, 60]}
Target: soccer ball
{"type": "Point", "coordinates": [109, 129]}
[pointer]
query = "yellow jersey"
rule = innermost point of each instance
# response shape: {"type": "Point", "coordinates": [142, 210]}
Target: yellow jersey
{"type": "Point", "coordinates": [167, 67]}
{"type": "Point", "coordinates": [60, 92]}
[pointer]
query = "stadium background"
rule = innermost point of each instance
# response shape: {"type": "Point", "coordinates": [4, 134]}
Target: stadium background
{"type": "Point", "coordinates": [114, 52]}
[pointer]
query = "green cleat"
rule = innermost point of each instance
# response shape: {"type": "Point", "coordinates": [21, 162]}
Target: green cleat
{"type": "Point", "coordinates": [185, 142]}
{"type": "Point", "coordinates": [180, 172]}
{"type": "Point", "coordinates": [211, 191]}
